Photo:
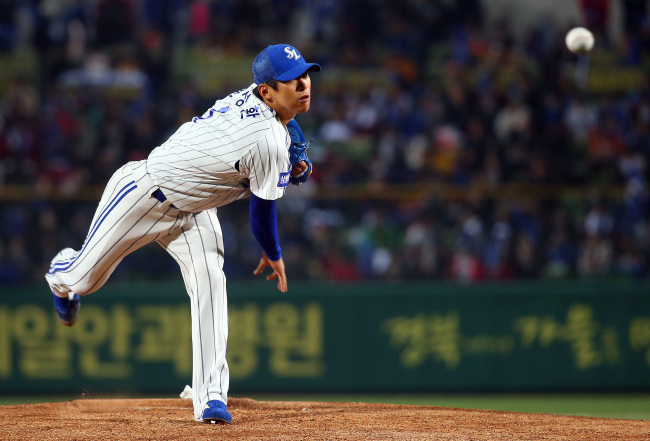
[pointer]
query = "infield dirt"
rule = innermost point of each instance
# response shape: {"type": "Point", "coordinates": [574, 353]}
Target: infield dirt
{"type": "Point", "coordinates": [171, 419]}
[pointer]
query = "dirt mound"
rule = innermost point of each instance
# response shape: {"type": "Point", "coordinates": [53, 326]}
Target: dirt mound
{"type": "Point", "coordinates": [171, 419]}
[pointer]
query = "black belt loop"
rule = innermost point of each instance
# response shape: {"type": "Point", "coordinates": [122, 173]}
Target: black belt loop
{"type": "Point", "coordinates": [158, 194]}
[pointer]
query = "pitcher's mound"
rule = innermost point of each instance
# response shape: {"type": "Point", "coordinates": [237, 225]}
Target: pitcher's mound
{"type": "Point", "coordinates": [172, 419]}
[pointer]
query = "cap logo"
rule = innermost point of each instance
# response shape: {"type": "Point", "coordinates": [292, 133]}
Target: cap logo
{"type": "Point", "coordinates": [291, 53]}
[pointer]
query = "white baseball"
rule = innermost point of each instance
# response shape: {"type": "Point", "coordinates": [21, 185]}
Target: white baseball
{"type": "Point", "coordinates": [579, 40]}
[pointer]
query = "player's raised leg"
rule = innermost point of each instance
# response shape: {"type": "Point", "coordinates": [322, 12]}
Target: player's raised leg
{"type": "Point", "coordinates": [199, 252]}
{"type": "Point", "coordinates": [126, 218]}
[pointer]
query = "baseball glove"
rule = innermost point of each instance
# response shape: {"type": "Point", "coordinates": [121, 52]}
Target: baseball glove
{"type": "Point", "coordinates": [298, 152]}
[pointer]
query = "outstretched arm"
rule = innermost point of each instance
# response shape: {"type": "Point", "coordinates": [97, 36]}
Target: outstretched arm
{"type": "Point", "coordinates": [264, 224]}
{"type": "Point", "coordinates": [278, 271]}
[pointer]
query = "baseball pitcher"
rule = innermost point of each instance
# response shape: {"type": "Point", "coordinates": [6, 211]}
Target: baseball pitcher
{"type": "Point", "coordinates": [246, 145]}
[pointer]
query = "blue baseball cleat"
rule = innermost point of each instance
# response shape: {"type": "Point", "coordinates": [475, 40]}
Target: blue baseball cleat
{"type": "Point", "coordinates": [216, 413]}
{"type": "Point", "coordinates": [67, 309]}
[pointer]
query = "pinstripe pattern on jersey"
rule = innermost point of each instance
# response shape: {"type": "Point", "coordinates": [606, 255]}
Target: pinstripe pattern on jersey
{"type": "Point", "coordinates": [195, 168]}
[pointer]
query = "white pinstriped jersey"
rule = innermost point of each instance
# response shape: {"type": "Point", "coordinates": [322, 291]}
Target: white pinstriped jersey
{"type": "Point", "coordinates": [196, 168]}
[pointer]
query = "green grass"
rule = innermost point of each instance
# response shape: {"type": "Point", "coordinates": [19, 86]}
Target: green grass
{"type": "Point", "coordinates": [623, 406]}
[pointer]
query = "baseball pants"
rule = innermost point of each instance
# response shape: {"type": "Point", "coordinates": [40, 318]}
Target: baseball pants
{"type": "Point", "coordinates": [129, 217]}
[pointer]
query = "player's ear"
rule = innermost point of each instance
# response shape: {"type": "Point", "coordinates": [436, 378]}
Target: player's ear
{"type": "Point", "coordinates": [265, 92]}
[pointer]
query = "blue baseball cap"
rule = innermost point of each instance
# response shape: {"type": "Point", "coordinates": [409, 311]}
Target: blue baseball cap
{"type": "Point", "coordinates": [280, 62]}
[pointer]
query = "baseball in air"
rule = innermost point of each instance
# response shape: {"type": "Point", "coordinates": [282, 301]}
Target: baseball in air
{"type": "Point", "coordinates": [579, 40]}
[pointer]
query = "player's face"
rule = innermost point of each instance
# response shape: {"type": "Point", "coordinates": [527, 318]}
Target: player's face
{"type": "Point", "coordinates": [292, 97]}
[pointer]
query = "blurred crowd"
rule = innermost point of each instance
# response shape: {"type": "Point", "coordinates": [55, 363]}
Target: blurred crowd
{"type": "Point", "coordinates": [538, 174]}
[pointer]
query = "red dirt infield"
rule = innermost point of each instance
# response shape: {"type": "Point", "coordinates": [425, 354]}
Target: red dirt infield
{"type": "Point", "coordinates": [171, 419]}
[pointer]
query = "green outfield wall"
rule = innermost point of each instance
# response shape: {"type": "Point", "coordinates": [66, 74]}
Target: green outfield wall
{"type": "Point", "coordinates": [365, 336]}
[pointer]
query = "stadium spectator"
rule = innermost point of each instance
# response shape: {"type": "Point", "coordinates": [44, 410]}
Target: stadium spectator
{"type": "Point", "coordinates": [488, 155]}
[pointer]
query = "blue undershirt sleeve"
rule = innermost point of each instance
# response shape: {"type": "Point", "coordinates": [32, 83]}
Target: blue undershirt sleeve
{"type": "Point", "coordinates": [264, 223]}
